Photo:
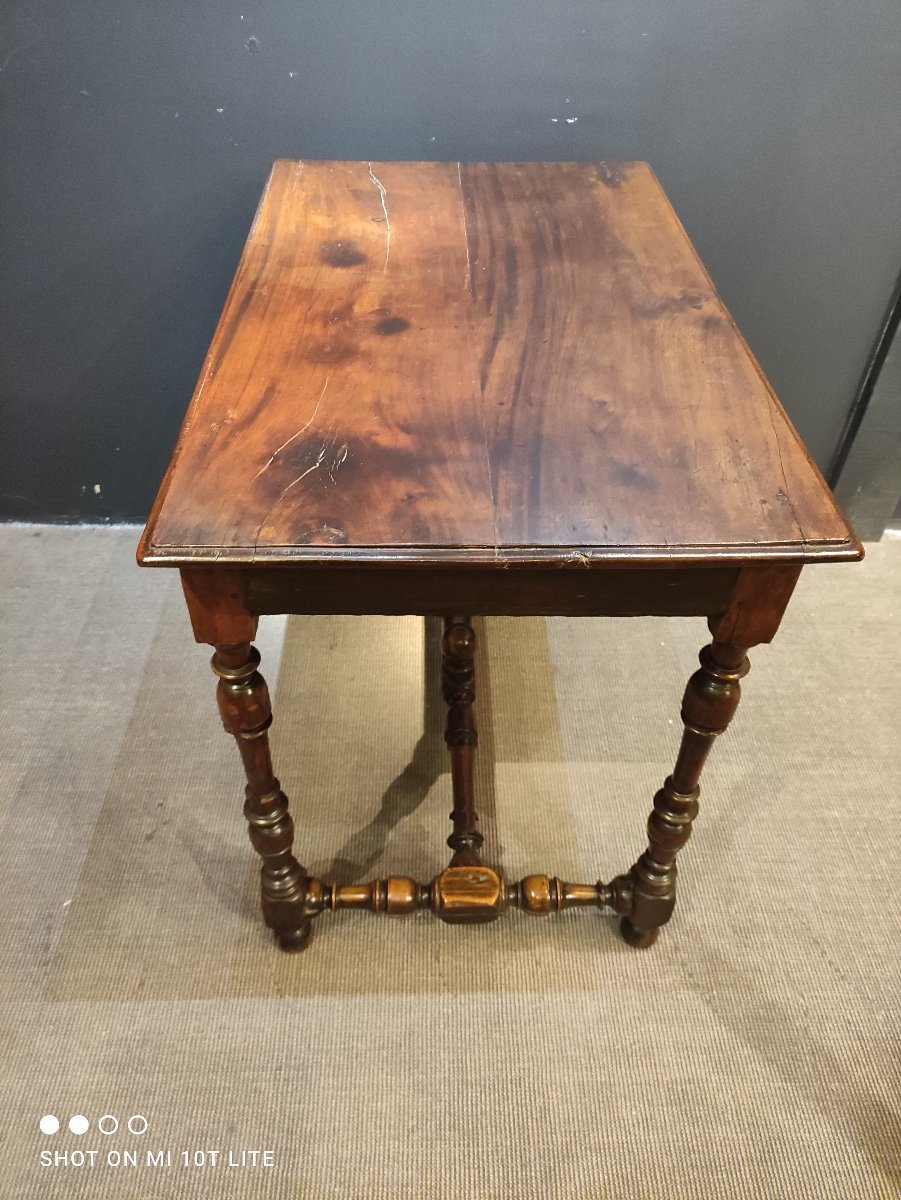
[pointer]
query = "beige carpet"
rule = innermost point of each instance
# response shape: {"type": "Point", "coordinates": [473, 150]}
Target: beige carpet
{"type": "Point", "coordinates": [753, 1052]}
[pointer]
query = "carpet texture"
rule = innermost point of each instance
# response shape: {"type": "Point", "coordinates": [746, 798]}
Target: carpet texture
{"type": "Point", "coordinates": [753, 1052]}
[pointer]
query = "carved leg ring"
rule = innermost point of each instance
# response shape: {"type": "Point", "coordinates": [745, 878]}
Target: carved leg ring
{"type": "Point", "coordinates": [710, 701]}
{"type": "Point", "coordinates": [247, 714]}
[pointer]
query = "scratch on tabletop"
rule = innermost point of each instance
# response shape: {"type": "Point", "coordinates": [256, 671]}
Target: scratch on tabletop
{"type": "Point", "coordinates": [782, 494]}
{"type": "Point", "coordinates": [382, 194]}
{"type": "Point", "coordinates": [465, 230]}
{"type": "Point", "coordinates": [294, 436]}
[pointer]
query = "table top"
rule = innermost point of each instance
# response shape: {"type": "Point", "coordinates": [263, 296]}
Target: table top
{"type": "Point", "coordinates": [482, 363]}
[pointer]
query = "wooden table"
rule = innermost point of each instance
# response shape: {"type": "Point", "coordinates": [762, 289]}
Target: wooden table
{"type": "Point", "coordinates": [457, 389]}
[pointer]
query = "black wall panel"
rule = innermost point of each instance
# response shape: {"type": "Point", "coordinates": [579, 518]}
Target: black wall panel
{"type": "Point", "coordinates": [135, 137]}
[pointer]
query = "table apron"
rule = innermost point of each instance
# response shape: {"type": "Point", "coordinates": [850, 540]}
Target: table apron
{"type": "Point", "coordinates": [619, 592]}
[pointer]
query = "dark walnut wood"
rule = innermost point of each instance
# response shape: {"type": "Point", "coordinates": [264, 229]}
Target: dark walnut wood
{"type": "Point", "coordinates": [521, 590]}
{"type": "Point", "coordinates": [461, 362]}
{"type": "Point", "coordinates": [246, 714]}
{"type": "Point", "coordinates": [458, 647]}
{"type": "Point", "coordinates": [468, 895]}
{"type": "Point", "coordinates": [507, 388]}
{"type": "Point", "coordinates": [710, 701]}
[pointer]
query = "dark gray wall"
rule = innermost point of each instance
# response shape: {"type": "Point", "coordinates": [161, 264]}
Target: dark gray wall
{"type": "Point", "coordinates": [869, 485]}
{"type": "Point", "coordinates": [135, 137]}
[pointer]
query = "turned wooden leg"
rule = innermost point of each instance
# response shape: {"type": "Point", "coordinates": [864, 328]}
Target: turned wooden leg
{"type": "Point", "coordinates": [247, 714]}
{"type": "Point", "coordinates": [710, 701]}
{"type": "Point", "coordinates": [458, 647]}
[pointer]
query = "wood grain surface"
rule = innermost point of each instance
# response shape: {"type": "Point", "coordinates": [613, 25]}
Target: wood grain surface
{"type": "Point", "coordinates": [482, 363]}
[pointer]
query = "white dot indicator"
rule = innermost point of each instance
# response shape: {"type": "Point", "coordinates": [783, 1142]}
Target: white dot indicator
{"type": "Point", "coordinates": [137, 1124]}
{"type": "Point", "coordinates": [49, 1124]}
{"type": "Point", "coordinates": [79, 1124]}
{"type": "Point", "coordinates": [108, 1124]}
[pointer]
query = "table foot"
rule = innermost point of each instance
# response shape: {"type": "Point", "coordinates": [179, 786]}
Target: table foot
{"type": "Point", "coordinates": [294, 942]}
{"type": "Point", "coordinates": [638, 938]}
